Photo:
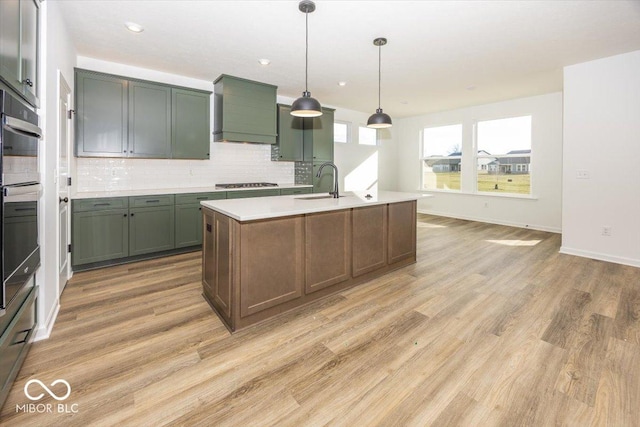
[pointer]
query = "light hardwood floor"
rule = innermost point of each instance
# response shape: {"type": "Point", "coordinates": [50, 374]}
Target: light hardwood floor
{"type": "Point", "coordinates": [492, 326]}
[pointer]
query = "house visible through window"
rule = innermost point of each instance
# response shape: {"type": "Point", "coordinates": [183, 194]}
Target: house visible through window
{"type": "Point", "coordinates": [441, 157]}
{"type": "Point", "coordinates": [367, 136]}
{"type": "Point", "coordinates": [504, 155]}
{"type": "Point", "coordinates": [341, 132]}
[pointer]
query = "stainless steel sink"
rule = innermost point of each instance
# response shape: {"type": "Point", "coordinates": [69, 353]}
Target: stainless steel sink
{"type": "Point", "coordinates": [324, 196]}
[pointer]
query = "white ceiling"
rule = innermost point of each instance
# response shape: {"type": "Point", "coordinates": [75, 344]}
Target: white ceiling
{"type": "Point", "coordinates": [441, 54]}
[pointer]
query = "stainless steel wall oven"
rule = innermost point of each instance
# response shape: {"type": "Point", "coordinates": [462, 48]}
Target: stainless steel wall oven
{"type": "Point", "coordinates": [20, 191]}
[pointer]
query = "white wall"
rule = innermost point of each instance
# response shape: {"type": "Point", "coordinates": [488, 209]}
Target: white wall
{"type": "Point", "coordinates": [364, 167]}
{"type": "Point", "coordinates": [602, 137]}
{"type": "Point", "coordinates": [57, 54]}
{"type": "Point", "coordinates": [542, 211]}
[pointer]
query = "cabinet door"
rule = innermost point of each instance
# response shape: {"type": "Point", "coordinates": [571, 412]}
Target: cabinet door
{"type": "Point", "coordinates": [188, 225]}
{"type": "Point", "coordinates": [151, 230]}
{"type": "Point", "coordinates": [149, 120]}
{"type": "Point", "coordinates": [190, 119]}
{"type": "Point", "coordinates": [324, 184]}
{"type": "Point", "coordinates": [10, 42]}
{"type": "Point", "coordinates": [99, 236]}
{"type": "Point", "coordinates": [318, 137]}
{"type": "Point", "coordinates": [101, 125]}
{"type": "Point", "coordinates": [271, 263]}
{"type": "Point", "coordinates": [402, 231]}
{"type": "Point", "coordinates": [29, 47]}
{"type": "Point", "coordinates": [327, 249]}
{"type": "Point", "coordinates": [290, 135]}
{"type": "Point", "coordinates": [369, 227]}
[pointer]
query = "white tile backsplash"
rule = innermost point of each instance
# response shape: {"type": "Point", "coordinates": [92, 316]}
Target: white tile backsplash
{"type": "Point", "coordinates": [229, 162]}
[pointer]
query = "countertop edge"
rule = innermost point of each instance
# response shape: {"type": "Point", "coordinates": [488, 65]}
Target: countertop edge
{"type": "Point", "coordinates": [311, 206]}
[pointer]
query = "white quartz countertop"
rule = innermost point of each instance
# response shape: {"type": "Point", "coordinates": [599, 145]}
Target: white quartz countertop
{"type": "Point", "coordinates": [278, 206]}
{"type": "Point", "coordinates": [185, 190]}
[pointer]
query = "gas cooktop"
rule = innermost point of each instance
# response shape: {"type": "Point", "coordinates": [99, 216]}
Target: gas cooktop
{"type": "Point", "coordinates": [247, 185]}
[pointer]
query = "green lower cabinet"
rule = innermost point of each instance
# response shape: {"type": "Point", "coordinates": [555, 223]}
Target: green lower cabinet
{"type": "Point", "coordinates": [99, 236]}
{"type": "Point", "coordinates": [252, 193]}
{"type": "Point", "coordinates": [151, 229]}
{"type": "Point", "coordinates": [188, 225]}
{"type": "Point", "coordinates": [291, 191]}
{"type": "Point", "coordinates": [189, 217]}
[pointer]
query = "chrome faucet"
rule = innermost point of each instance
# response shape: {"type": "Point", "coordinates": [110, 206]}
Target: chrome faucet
{"type": "Point", "coordinates": [335, 193]}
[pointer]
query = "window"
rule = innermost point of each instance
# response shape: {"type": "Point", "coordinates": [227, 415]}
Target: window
{"type": "Point", "coordinates": [441, 157]}
{"type": "Point", "coordinates": [341, 132]}
{"type": "Point", "coordinates": [367, 136]}
{"type": "Point", "coordinates": [504, 155]}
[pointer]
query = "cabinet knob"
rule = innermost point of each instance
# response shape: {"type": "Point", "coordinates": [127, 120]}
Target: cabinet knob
{"type": "Point", "coordinates": [132, 214]}
{"type": "Point", "coordinates": [125, 215]}
{"type": "Point", "coordinates": [28, 82]}
{"type": "Point", "coordinates": [65, 200]}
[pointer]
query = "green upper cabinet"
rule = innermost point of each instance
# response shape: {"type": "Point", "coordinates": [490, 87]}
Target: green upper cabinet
{"type": "Point", "coordinates": [244, 110]}
{"type": "Point", "coordinates": [149, 120]}
{"type": "Point", "coordinates": [120, 117]}
{"type": "Point", "coordinates": [102, 115]}
{"type": "Point", "coordinates": [290, 135]}
{"type": "Point", "coordinates": [19, 47]}
{"type": "Point", "coordinates": [190, 124]}
{"type": "Point", "coordinates": [318, 137]}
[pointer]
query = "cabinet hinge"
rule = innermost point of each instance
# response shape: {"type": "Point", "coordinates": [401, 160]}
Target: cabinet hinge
{"type": "Point", "coordinates": [69, 181]}
{"type": "Point", "coordinates": [70, 114]}
{"type": "Point", "coordinates": [69, 248]}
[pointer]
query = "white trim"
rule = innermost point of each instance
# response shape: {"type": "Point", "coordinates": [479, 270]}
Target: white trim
{"type": "Point", "coordinates": [507, 223]}
{"type": "Point", "coordinates": [600, 256]}
{"type": "Point", "coordinates": [482, 193]}
{"type": "Point", "coordinates": [44, 330]}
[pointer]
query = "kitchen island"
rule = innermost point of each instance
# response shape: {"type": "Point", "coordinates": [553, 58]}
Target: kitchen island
{"type": "Point", "coordinates": [262, 257]}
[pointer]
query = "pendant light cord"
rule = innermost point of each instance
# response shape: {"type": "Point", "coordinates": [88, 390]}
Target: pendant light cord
{"type": "Point", "coordinates": [306, 52]}
{"type": "Point", "coordinates": [379, 72]}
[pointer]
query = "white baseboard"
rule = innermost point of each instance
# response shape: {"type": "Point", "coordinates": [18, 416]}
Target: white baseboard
{"type": "Point", "coordinates": [44, 329]}
{"type": "Point", "coordinates": [507, 223]}
{"type": "Point", "coordinates": [600, 256]}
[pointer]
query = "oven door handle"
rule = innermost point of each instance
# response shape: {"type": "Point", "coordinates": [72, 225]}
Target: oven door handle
{"type": "Point", "coordinates": [20, 190]}
{"type": "Point", "coordinates": [21, 127]}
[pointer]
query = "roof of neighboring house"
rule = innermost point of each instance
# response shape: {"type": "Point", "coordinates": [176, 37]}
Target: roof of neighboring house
{"type": "Point", "coordinates": [520, 151]}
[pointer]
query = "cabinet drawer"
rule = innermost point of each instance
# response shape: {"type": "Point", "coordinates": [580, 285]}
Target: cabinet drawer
{"type": "Point", "coordinates": [252, 193]}
{"type": "Point", "coordinates": [190, 198]}
{"type": "Point", "coordinates": [101, 204]}
{"type": "Point", "coordinates": [14, 342]}
{"type": "Point", "coordinates": [146, 201]}
{"type": "Point", "coordinates": [290, 191]}
{"type": "Point", "coordinates": [20, 209]}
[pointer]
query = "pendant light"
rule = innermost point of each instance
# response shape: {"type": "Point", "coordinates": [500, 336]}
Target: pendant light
{"type": "Point", "coordinates": [306, 106]}
{"type": "Point", "coordinates": [379, 120]}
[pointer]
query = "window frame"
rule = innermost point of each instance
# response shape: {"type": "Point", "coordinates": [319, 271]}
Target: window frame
{"type": "Point", "coordinates": [361, 126]}
{"type": "Point", "coordinates": [423, 158]}
{"type": "Point", "coordinates": [349, 135]}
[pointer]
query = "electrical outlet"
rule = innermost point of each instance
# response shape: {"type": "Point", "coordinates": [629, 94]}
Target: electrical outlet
{"type": "Point", "coordinates": [606, 231]}
{"type": "Point", "coordinates": [582, 174]}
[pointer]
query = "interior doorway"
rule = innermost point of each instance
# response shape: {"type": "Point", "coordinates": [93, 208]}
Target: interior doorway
{"type": "Point", "coordinates": [65, 135]}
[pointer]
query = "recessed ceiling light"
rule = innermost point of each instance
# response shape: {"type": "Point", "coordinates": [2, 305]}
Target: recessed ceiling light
{"type": "Point", "coordinates": [133, 27]}
{"type": "Point", "coordinates": [472, 87]}
{"type": "Point", "coordinates": [404, 102]}
{"type": "Point", "coordinates": [264, 61]}
{"type": "Point", "coordinates": [342, 83]}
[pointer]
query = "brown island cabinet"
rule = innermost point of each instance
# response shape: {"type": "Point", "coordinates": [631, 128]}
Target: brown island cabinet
{"type": "Point", "coordinates": [264, 258]}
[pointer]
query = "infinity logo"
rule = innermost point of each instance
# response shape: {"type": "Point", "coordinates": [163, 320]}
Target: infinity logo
{"type": "Point", "coordinates": [52, 394]}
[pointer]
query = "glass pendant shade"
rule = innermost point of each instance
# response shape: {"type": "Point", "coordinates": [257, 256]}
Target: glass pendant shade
{"type": "Point", "coordinates": [379, 120]}
{"type": "Point", "coordinates": [306, 106]}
